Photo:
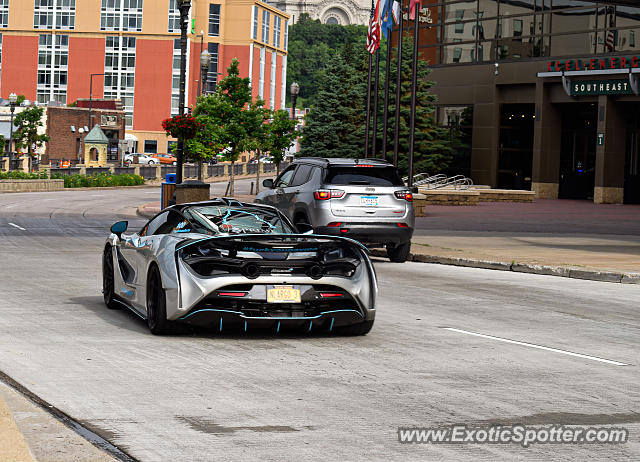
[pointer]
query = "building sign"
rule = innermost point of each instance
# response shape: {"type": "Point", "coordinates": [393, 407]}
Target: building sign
{"type": "Point", "coordinates": [600, 87]}
{"type": "Point", "coordinates": [594, 64]}
{"type": "Point", "coordinates": [109, 120]}
{"type": "Point", "coordinates": [600, 139]}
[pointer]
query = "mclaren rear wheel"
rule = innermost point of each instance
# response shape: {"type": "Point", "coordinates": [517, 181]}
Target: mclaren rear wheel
{"type": "Point", "coordinates": [362, 328]}
{"type": "Point", "coordinates": [108, 284]}
{"type": "Point", "coordinates": [157, 304]}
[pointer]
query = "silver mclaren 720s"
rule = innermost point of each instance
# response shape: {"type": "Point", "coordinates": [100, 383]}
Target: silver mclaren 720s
{"type": "Point", "coordinates": [227, 264]}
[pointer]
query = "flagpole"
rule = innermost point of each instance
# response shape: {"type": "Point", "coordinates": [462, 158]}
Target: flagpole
{"type": "Point", "coordinates": [386, 98]}
{"type": "Point", "coordinates": [414, 87]}
{"type": "Point", "coordinates": [366, 129]}
{"type": "Point", "coordinates": [396, 137]}
{"type": "Point", "coordinates": [375, 106]}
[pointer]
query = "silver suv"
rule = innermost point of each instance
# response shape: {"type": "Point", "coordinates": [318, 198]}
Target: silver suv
{"type": "Point", "coordinates": [363, 199]}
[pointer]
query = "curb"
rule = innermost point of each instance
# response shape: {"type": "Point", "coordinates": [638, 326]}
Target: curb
{"type": "Point", "coordinates": [602, 276]}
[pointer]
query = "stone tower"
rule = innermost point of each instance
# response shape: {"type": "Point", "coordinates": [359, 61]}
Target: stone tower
{"type": "Point", "coordinates": [342, 12]}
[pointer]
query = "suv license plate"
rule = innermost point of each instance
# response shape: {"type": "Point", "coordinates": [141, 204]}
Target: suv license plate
{"type": "Point", "coordinates": [283, 294]}
{"type": "Point", "coordinates": [370, 201]}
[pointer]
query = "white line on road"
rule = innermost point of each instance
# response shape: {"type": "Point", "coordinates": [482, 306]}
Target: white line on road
{"type": "Point", "coordinates": [151, 192]}
{"type": "Point", "coordinates": [533, 345]}
{"type": "Point", "coordinates": [16, 226]}
{"type": "Point", "coordinates": [11, 206]}
{"type": "Point", "coordinates": [97, 195]}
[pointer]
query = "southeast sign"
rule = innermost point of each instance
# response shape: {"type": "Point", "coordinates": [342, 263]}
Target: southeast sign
{"type": "Point", "coordinates": [601, 87]}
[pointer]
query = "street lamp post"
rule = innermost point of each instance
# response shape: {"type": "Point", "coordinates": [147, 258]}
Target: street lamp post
{"type": "Point", "coordinates": [13, 99]}
{"type": "Point", "coordinates": [91, 98]}
{"type": "Point", "coordinates": [295, 91]}
{"type": "Point", "coordinates": [184, 6]}
{"type": "Point", "coordinates": [205, 60]}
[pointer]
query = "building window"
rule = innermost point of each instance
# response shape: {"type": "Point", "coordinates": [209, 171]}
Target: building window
{"type": "Point", "coordinates": [150, 146]}
{"type": "Point", "coordinates": [459, 27]}
{"type": "Point", "coordinates": [214, 20]}
{"type": "Point", "coordinates": [212, 75]}
{"type": "Point", "coordinates": [120, 71]}
{"type": "Point", "coordinates": [286, 36]}
{"type": "Point", "coordinates": [121, 15]}
{"type": "Point", "coordinates": [457, 54]}
{"type": "Point", "coordinates": [254, 31]}
{"type": "Point", "coordinates": [266, 18]}
{"type": "Point", "coordinates": [276, 31]}
{"type": "Point", "coordinates": [272, 94]}
{"type": "Point", "coordinates": [263, 55]}
{"type": "Point", "coordinates": [175, 79]}
{"type": "Point", "coordinates": [50, 14]}
{"type": "Point", "coordinates": [4, 13]}
{"type": "Point", "coordinates": [174, 16]}
{"type": "Point", "coordinates": [53, 61]}
{"type": "Point", "coordinates": [517, 27]}
{"type": "Point", "coordinates": [171, 145]}
{"type": "Point", "coordinates": [632, 39]}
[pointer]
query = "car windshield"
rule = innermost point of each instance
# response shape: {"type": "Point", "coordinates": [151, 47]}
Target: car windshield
{"type": "Point", "coordinates": [375, 176]}
{"type": "Point", "coordinates": [226, 219]}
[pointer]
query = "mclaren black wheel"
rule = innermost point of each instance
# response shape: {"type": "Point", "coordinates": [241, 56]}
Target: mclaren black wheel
{"type": "Point", "coordinates": [398, 253]}
{"type": "Point", "coordinates": [157, 304]}
{"type": "Point", "coordinates": [362, 328]}
{"type": "Point", "coordinates": [108, 285]}
{"type": "Point", "coordinates": [302, 224]}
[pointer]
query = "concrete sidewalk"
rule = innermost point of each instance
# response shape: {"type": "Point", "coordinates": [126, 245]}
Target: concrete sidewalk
{"type": "Point", "coordinates": [30, 434]}
{"type": "Point", "coordinates": [599, 257]}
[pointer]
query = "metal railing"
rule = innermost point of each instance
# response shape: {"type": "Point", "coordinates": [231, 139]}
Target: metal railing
{"type": "Point", "coordinates": [440, 181]}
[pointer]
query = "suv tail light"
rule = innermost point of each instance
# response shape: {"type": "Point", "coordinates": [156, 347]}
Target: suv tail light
{"type": "Point", "coordinates": [406, 195]}
{"type": "Point", "coordinates": [326, 194]}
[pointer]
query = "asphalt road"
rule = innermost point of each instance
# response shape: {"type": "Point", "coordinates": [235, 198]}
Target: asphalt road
{"type": "Point", "coordinates": [206, 397]}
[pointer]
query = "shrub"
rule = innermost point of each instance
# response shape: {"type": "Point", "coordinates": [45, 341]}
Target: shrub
{"type": "Point", "coordinates": [99, 180]}
{"type": "Point", "coordinates": [20, 175]}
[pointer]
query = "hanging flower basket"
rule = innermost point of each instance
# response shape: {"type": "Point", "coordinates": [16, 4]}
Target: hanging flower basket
{"type": "Point", "coordinates": [182, 126]}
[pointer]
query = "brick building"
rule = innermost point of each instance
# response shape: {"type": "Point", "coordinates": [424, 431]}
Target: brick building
{"type": "Point", "coordinates": [67, 127]}
{"type": "Point", "coordinates": [50, 50]}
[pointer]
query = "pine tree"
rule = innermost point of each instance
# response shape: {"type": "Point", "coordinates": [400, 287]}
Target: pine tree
{"type": "Point", "coordinates": [335, 122]}
{"type": "Point", "coordinates": [432, 152]}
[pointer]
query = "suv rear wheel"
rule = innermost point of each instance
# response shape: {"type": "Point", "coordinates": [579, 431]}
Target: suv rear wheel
{"type": "Point", "coordinates": [399, 253]}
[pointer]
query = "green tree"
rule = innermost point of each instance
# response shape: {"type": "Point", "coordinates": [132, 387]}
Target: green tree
{"type": "Point", "coordinates": [432, 151]}
{"type": "Point", "coordinates": [281, 132]}
{"type": "Point", "coordinates": [335, 125]}
{"type": "Point", "coordinates": [312, 45]}
{"type": "Point", "coordinates": [26, 134]}
{"type": "Point", "coordinates": [230, 114]}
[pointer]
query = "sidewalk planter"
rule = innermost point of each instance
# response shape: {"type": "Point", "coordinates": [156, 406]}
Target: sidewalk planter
{"type": "Point", "coordinates": [31, 185]}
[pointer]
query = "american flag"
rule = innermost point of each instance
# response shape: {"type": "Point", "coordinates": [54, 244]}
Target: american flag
{"type": "Point", "coordinates": [374, 32]}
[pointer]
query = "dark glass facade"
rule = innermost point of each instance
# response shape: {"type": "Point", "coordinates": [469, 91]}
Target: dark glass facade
{"type": "Point", "coordinates": [502, 30]}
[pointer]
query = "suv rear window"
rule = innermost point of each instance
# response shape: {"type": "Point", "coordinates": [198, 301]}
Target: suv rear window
{"type": "Point", "coordinates": [375, 176]}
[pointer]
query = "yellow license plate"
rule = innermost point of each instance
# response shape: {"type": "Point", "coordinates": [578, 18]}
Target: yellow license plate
{"type": "Point", "coordinates": [283, 294]}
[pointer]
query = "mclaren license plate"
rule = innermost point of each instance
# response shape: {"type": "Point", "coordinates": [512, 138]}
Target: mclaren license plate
{"type": "Point", "coordinates": [283, 294]}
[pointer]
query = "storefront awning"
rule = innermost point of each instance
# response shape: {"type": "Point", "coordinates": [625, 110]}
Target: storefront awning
{"type": "Point", "coordinates": [632, 74]}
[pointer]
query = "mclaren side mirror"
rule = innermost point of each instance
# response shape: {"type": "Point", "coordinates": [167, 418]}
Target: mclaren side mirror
{"type": "Point", "coordinates": [119, 227]}
{"type": "Point", "coordinates": [268, 183]}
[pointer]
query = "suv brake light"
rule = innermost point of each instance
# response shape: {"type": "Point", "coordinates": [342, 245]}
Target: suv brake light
{"type": "Point", "coordinates": [406, 195]}
{"type": "Point", "coordinates": [326, 194]}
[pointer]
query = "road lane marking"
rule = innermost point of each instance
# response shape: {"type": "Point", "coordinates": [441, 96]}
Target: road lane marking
{"type": "Point", "coordinates": [97, 195]}
{"type": "Point", "coordinates": [539, 347]}
{"type": "Point", "coordinates": [16, 226]}
{"type": "Point", "coordinates": [11, 206]}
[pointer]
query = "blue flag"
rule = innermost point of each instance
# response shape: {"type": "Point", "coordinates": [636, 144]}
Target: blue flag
{"type": "Point", "coordinates": [387, 18]}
